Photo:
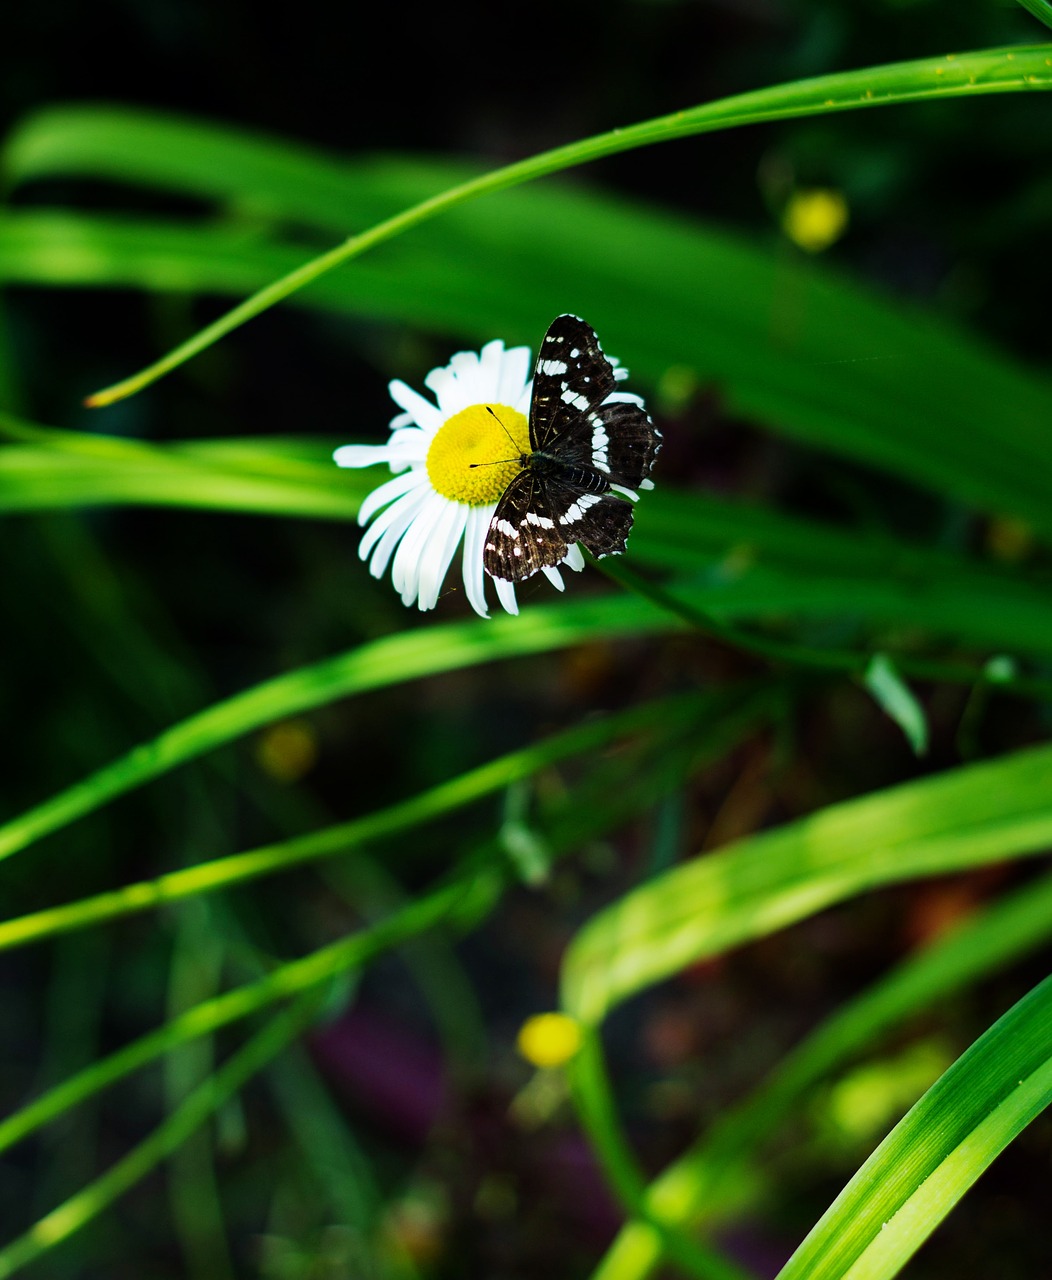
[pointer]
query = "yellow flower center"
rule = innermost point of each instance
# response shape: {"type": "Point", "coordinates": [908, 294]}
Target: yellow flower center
{"type": "Point", "coordinates": [477, 453]}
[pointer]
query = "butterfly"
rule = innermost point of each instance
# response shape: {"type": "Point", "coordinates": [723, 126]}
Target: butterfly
{"type": "Point", "coordinates": [581, 448]}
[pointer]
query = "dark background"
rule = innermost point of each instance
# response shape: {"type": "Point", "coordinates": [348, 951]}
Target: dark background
{"type": "Point", "coordinates": [118, 623]}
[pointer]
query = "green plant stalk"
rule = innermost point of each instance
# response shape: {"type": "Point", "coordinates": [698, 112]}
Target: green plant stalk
{"type": "Point", "coordinates": [688, 1192]}
{"type": "Point", "coordinates": [375, 665]}
{"type": "Point", "coordinates": [346, 837]}
{"type": "Point", "coordinates": [590, 1089]}
{"type": "Point", "coordinates": [966, 817]}
{"type": "Point", "coordinates": [619, 787]}
{"type": "Point", "coordinates": [295, 978]}
{"type": "Point", "coordinates": [1025, 67]}
{"type": "Point", "coordinates": [86, 1205]}
{"type": "Point", "coordinates": [195, 974]}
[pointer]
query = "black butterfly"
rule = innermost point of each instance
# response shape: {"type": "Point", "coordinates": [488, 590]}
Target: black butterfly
{"type": "Point", "coordinates": [580, 448]}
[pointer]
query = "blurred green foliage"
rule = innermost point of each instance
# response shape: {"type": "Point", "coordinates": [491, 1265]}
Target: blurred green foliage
{"type": "Point", "coordinates": [848, 539]}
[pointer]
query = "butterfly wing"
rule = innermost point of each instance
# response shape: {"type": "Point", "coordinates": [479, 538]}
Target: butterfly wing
{"type": "Point", "coordinates": [568, 418]}
{"type": "Point", "coordinates": [539, 517]}
{"type": "Point", "coordinates": [580, 447]}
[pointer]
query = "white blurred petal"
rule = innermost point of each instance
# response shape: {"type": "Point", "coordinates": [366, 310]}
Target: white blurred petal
{"type": "Point", "coordinates": [474, 540]}
{"type": "Point", "coordinates": [388, 528]}
{"type": "Point", "coordinates": [442, 542]}
{"type": "Point", "coordinates": [554, 577]}
{"type": "Point", "coordinates": [360, 455]}
{"type": "Point", "coordinates": [506, 595]}
{"type": "Point", "coordinates": [421, 410]}
{"type": "Point", "coordinates": [385, 493]}
{"type": "Point", "coordinates": [574, 558]}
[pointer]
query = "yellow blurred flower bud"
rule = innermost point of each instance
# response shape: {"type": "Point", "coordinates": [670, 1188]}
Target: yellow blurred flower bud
{"type": "Point", "coordinates": [814, 219]}
{"type": "Point", "coordinates": [549, 1039]}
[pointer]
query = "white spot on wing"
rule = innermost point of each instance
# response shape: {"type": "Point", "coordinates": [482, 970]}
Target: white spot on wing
{"type": "Point", "coordinates": [576, 512]}
{"type": "Point", "coordinates": [553, 367]}
{"type": "Point", "coordinates": [600, 444]}
{"type": "Point", "coordinates": [572, 398]}
{"type": "Point", "coordinates": [508, 530]}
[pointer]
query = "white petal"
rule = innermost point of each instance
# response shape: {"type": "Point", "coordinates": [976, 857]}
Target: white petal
{"type": "Point", "coordinates": [491, 364]}
{"type": "Point", "coordinates": [506, 595]}
{"type": "Point", "coordinates": [630, 494]}
{"type": "Point", "coordinates": [474, 539]}
{"type": "Point", "coordinates": [444, 385]}
{"type": "Point", "coordinates": [574, 558]}
{"type": "Point", "coordinates": [439, 551]}
{"type": "Point", "coordinates": [514, 377]}
{"type": "Point", "coordinates": [391, 525]}
{"type": "Point", "coordinates": [554, 577]}
{"type": "Point", "coordinates": [409, 559]}
{"type": "Point", "coordinates": [387, 492]}
{"type": "Point", "coordinates": [360, 455]}
{"type": "Point", "coordinates": [465, 365]}
{"type": "Point", "coordinates": [523, 403]}
{"type": "Point", "coordinates": [624, 397]}
{"type": "Point", "coordinates": [422, 411]}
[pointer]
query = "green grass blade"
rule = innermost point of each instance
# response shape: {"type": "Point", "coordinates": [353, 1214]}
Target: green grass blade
{"type": "Point", "coordinates": [990, 71]}
{"type": "Point", "coordinates": [747, 563]}
{"type": "Point", "coordinates": [349, 837]}
{"type": "Point", "coordinates": [289, 980]}
{"type": "Point", "coordinates": [701, 1186]}
{"type": "Point", "coordinates": [901, 390]}
{"type": "Point", "coordinates": [201, 1103]}
{"type": "Point", "coordinates": [965, 817]}
{"type": "Point", "coordinates": [406, 656]}
{"type": "Point", "coordinates": [1041, 10]}
{"type": "Point", "coordinates": [931, 1158]}
{"type": "Point", "coordinates": [616, 788]}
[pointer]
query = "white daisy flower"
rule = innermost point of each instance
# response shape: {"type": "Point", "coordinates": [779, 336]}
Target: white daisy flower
{"type": "Point", "coordinates": [451, 462]}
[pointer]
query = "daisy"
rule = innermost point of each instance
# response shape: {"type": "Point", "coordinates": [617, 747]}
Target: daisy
{"type": "Point", "coordinates": [451, 461]}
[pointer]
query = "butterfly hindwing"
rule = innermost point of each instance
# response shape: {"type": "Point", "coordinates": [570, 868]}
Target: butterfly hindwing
{"type": "Point", "coordinates": [581, 445]}
{"type": "Point", "coordinates": [539, 518]}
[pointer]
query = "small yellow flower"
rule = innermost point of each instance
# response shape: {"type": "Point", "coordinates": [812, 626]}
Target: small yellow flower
{"type": "Point", "coordinates": [549, 1039]}
{"type": "Point", "coordinates": [815, 218]}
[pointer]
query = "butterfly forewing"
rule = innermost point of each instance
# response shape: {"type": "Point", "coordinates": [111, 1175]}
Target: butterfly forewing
{"type": "Point", "coordinates": [572, 376]}
{"type": "Point", "coordinates": [581, 446]}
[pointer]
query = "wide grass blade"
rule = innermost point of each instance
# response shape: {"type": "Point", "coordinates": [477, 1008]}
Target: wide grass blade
{"type": "Point", "coordinates": [704, 1186]}
{"type": "Point", "coordinates": [987, 71]}
{"type": "Point", "coordinates": [931, 1158]}
{"type": "Point", "coordinates": [963, 818]}
{"type": "Point", "coordinates": [614, 790]}
{"type": "Point", "coordinates": [351, 837]}
{"type": "Point", "coordinates": [899, 389]}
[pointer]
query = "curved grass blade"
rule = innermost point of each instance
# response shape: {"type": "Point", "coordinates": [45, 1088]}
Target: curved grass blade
{"type": "Point", "coordinates": [965, 817]}
{"type": "Point", "coordinates": [931, 1158]}
{"type": "Point", "coordinates": [701, 1187]}
{"type": "Point", "coordinates": [616, 789]}
{"type": "Point", "coordinates": [1041, 10]}
{"type": "Point", "coordinates": [1023, 68]}
{"type": "Point", "coordinates": [347, 837]}
{"type": "Point", "coordinates": [406, 656]}
{"type": "Point", "coordinates": [904, 391]}
{"type": "Point", "coordinates": [202, 1102]}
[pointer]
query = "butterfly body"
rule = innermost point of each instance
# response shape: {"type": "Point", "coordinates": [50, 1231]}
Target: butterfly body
{"type": "Point", "coordinates": [582, 446]}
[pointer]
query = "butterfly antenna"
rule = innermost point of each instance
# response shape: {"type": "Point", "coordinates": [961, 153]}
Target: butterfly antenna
{"type": "Point", "coordinates": [499, 461]}
{"type": "Point", "coordinates": [492, 414]}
